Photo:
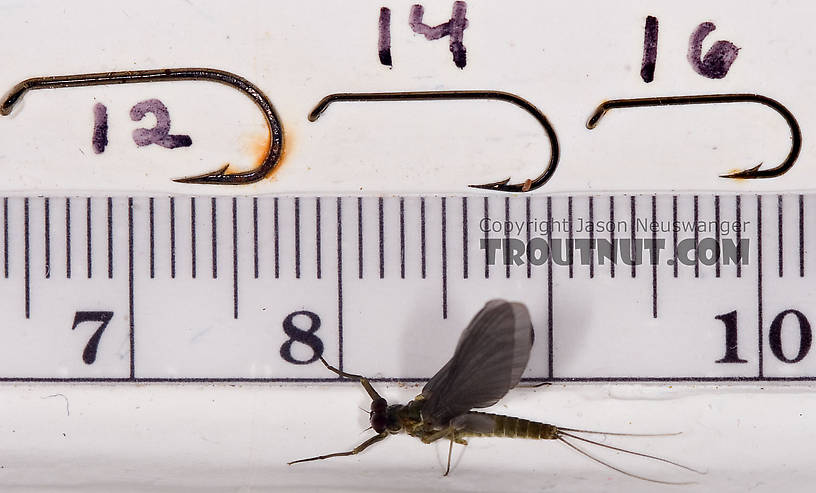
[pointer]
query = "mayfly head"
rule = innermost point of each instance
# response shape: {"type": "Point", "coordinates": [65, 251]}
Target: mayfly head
{"type": "Point", "coordinates": [378, 415]}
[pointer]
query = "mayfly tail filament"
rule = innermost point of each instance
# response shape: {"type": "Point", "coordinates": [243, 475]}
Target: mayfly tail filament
{"type": "Point", "coordinates": [562, 437]}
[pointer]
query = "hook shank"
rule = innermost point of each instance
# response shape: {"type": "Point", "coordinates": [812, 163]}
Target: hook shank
{"type": "Point", "coordinates": [500, 186]}
{"type": "Point", "coordinates": [219, 176]}
{"type": "Point", "coordinates": [754, 172]}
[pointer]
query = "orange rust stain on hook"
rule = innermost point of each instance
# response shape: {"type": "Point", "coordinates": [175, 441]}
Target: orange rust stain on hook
{"type": "Point", "coordinates": [256, 145]}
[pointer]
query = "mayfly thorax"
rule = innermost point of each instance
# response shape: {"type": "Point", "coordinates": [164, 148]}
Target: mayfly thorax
{"type": "Point", "coordinates": [489, 359]}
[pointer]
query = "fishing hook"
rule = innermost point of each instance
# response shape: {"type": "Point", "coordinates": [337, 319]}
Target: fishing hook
{"type": "Point", "coordinates": [754, 172]}
{"type": "Point", "coordinates": [499, 186]}
{"type": "Point", "coordinates": [219, 176]}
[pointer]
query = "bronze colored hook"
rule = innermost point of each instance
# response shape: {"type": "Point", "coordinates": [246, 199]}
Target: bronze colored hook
{"type": "Point", "coordinates": [500, 186]}
{"type": "Point", "coordinates": [219, 176]}
{"type": "Point", "coordinates": [754, 172]}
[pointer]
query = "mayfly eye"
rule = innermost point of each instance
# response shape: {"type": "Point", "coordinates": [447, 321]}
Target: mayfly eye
{"type": "Point", "coordinates": [378, 406]}
{"type": "Point", "coordinates": [379, 422]}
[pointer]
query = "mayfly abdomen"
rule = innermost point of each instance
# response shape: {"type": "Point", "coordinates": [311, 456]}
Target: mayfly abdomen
{"type": "Point", "coordinates": [509, 427]}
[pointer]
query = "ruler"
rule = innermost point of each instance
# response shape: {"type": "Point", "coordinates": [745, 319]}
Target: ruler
{"type": "Point", "coordinates": [206, 289]}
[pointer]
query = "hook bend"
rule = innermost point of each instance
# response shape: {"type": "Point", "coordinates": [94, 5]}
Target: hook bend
{"type": "Point", "coordinates": [219, 176]}
{"type": "Point", "coordinates": [751, 173]}
{"type": "Point", "coordinates": [499, 186]}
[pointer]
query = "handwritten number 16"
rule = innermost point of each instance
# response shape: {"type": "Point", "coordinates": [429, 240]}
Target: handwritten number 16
{"type": "Point", "coordinates": [713, 65]}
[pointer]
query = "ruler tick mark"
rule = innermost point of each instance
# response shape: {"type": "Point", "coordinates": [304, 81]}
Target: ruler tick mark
{"type": "Point", "coordinates": [632, 227]}
{"type": "Point", "coordinates": [507, 238]}
{"type": "Point", "coordinates": [444, 258]}
{"type": "Point", "coordinates": [591, 237]}
{"type": "Point", "coordinates": [674, 234]}
{"type": "Point", "coordinates": [47, 228]}
{"type": "Point", "coordinates": [5, 238]}
{"type": "Point", "coordinates": [193, 237]}
{"type": "Point", "coordinates": [88, 238]}
{"type": "Point", "coordinates": [402, 237]}
{"type": "Point", "coordinates": [276, 236]}
{"type": "Point", "coordinates": [172, 238]}
{"type": "Point", "coordinates": [68, 237]}
{"type": "Point", "coordinates": [131, 291]}
{"type": "Point", "coordinates": [26, 252]}
{"type": "Point", "coordinates": [612, 248]}
{"type": "Point", "coordinates": [759, 284]}
{"type": "Point", "coordinates": [570, 238]}
{"type": "Point", "coordinates": [780, 235]}
{"type": "Point", "coordinates": [422, 232]}
{"type": "Point", "coordinates": [527, 250]}
{"type": "Point", "coordinates": [382, 237]}
{"type": "Point", "coordinates": [151, 227]}
{"type": "Point", "coordinates": [359, 237]}
{"type": "Point", "coordinates": [255, 235]}
{"type": "Point", "coordinates": [340, 283]}
{"type": "Point", "coordinates": [696, 237]}
{"type": "Point", "coordinates": [318, 246]}
{"type": "Point", "coordinates": [465, 237]}
{"type": "Point", "coordinates": [738, 207]}
{"type": "Point", "coordinates": [110, 238]}
{"type": "Point", "coordinates": [297, 237]}
{"type": "Point", "coordinates": [235, 258]}
{"type": "Point", "coordinates": [801, 236]}
{"type": "Point", "coordinates": [486, 231]}
{"type": "Point", "coordinates": [550, 335]}
{"type": "Point", "coordinates": [718, 249]}
{"type": "Point", "coordinates": [653, 252]}
{"type": "Point", "coordinates": [214, 229]}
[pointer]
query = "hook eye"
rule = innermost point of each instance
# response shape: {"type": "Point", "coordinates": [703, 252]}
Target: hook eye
{"type": "Point", "coordinates": [750, 173]}
{"type": "Point", "coordinates": [216, 177]}
{"type": "Point", "coordinates": [499, 186]}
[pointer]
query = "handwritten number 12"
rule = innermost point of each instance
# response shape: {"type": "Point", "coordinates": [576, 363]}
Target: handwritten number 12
{"type": "Point", "coordinates": [159, 134]}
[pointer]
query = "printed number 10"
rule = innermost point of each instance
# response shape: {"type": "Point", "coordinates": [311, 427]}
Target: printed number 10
{"type": "Point", "coordinates": [774, 337]}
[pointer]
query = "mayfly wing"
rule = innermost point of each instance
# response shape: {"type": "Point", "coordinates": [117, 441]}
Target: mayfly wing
{"type": "Point", "coordinates": [489, 359]}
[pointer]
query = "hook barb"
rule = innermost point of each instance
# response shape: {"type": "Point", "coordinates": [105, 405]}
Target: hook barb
{"type": "Point", "coordinates": [498, 186]}
{"type": "Point", "coordinates": [216, 177]}
{"type": "Point", "coordinates": [749, 173]}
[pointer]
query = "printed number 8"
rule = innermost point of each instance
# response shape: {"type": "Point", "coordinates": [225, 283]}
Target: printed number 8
{"type": "Point", "coordinates": [306, 337]}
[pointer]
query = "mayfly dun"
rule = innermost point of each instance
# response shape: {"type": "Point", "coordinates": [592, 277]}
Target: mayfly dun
{"type": "Point", "coordinates": [489, 359]}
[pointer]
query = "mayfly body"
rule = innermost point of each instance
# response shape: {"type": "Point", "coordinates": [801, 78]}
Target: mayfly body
{"type": "Point", "coordinates": [489, 360]}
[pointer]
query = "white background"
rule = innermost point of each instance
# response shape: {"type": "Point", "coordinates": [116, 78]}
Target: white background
{"type": "Point", "coordinates": [564, 58]}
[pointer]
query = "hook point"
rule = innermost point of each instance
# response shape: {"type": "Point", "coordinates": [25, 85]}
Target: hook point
{"type": "Point", "coordinates": [496, 185]}
{"type": "Point", "coordinates": [216, 176]}
{"type": "Point", "coordinates": [746, 173]}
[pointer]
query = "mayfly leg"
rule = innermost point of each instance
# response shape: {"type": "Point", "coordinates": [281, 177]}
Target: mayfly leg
{"type": "Point", "coordinates": [356, 450]}
{"type": "Point", "coordinates": [450, 433]}
{"type": "Point", "coordinates": [363, 381]}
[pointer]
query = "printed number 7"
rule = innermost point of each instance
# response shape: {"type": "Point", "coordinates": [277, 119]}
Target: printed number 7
{"type": "Point", "coordinates": [89, 354]}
